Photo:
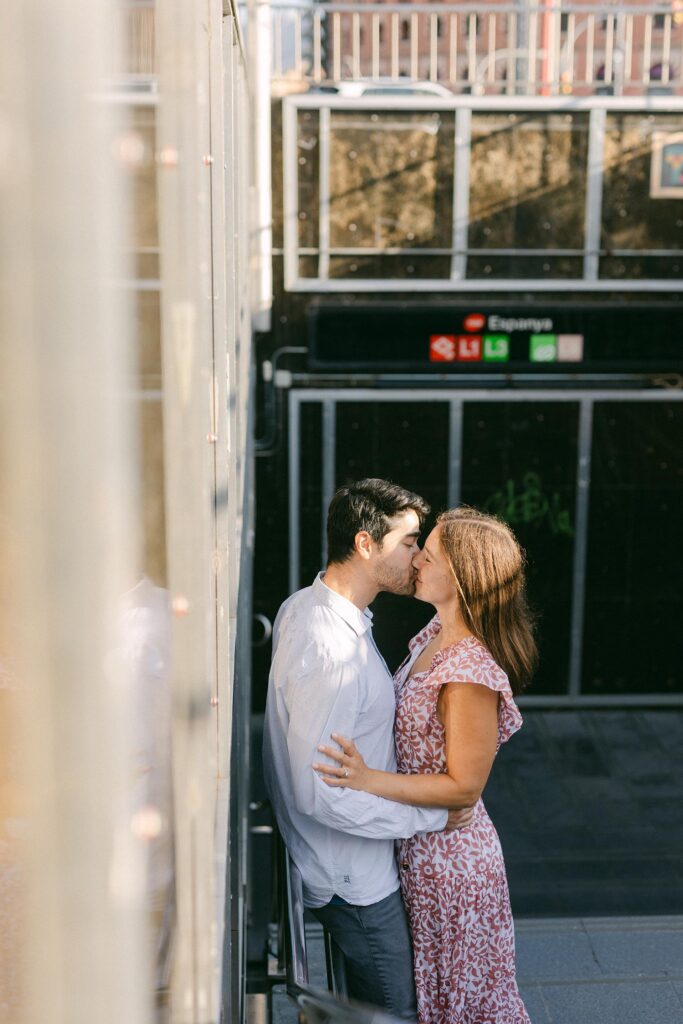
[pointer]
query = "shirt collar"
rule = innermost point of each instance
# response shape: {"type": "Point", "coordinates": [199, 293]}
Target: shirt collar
{"type": "Point", "coordinates": [359, 621]}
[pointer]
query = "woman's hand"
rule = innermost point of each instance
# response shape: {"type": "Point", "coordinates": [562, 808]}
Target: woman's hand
{"type": "Point", "coordinates": [351, 771]}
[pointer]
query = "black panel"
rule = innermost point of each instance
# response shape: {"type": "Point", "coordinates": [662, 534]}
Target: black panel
{"type": "Point", "coordinates": [271, 558]}
{"type": "Point", "coordinates": [310, 509]}
{"type": "Point", "coordinates": [634, 597]}
{"type": "Point", "coordinates": [519, 462]}
{"type": "Point", "coordinates": [406, 442]}
{"type": "Point", "coordinates": [625, 338]}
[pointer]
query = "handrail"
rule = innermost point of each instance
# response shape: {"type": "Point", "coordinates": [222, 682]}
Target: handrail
{"type": "Point", "coordinates": [295, 934]}
{"type": "Point", "coordinates": [317, 1006]}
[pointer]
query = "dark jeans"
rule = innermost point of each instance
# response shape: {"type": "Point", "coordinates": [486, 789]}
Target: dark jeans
{"type": "Point", "coordinates": [378, 954]}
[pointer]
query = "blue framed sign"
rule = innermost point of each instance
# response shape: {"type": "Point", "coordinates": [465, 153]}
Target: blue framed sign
{"type": "Point", "coordinates": [666, 166]}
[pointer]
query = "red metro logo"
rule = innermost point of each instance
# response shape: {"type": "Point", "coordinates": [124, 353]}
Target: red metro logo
{"type": "Point", "coordinates": [474, 322]}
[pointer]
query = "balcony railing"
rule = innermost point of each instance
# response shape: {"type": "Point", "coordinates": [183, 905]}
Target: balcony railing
{"type": "Point", "coordinates": [518, 48]}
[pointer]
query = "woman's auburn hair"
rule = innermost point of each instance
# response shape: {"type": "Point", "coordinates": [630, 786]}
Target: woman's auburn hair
{"type": "Point", "coordinates": [488, 566]}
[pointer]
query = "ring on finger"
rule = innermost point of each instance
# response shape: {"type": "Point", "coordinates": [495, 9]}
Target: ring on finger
{"type": "Point", "coordinates": [346, 773]}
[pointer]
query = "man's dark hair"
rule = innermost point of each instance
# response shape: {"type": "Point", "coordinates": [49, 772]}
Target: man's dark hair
{"type": "Point", "coordinates": [367, 505]}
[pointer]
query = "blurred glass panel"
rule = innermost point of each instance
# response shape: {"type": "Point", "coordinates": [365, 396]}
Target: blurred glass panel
{"type": "Point", "coordinates": [308, 170]}
{"type": "Point", "coordinates": [148, 327]}
{"type": "Point", "coordinates": [518, 265]}
{"type": "Point", "coordinates": [404, 267]}
{"type": "Point", "coordinates": [519, 462]}
{"type": "Point", "coordinates": [150, 419]}
{"type": "Point", "coordinates": [527, 191]}
{"type": "Point", "coordinates": [310, 509]}
{"type": "Point", "coordinates": [391, 185]}
{"type": "Point", "coordinates": [139, 38]}
{"type": "Point", "coordinates": [634, 603]}
{"type": "Point", "coordinates": [632, 218]}
{"type": "Point", "coordinates": [142, 142]}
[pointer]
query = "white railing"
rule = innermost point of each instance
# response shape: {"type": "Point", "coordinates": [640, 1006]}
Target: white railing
{"type": "Point", "coordinates": [544, 47]}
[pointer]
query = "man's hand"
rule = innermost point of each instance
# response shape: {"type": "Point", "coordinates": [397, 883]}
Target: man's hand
{"type": "Point", "coordinates": [459, 818]}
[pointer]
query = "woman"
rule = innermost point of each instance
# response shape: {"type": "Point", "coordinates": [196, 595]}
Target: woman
{"type": "Point", "coordinates": [455, 707]}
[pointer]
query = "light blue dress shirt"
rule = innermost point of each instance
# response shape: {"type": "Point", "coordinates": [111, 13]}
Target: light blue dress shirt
{"type": "Point", "coordinates": [327, 675]}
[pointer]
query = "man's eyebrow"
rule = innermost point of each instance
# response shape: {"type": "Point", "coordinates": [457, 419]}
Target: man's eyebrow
{"type": "Point", "coordinates": [415, 533]}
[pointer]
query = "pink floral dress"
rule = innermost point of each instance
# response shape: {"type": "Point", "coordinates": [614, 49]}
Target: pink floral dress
{"type": "Point", "coordinates": [454, 884]}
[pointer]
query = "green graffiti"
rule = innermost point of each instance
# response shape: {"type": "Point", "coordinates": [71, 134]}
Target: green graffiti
{"type": "Point", "coordinates": [529, 506]}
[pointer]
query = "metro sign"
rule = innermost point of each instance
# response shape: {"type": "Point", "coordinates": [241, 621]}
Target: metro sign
{"type": "Point", "coordinates": [451, 348]}
{"type": "Point", "coordinates": [469, 347]}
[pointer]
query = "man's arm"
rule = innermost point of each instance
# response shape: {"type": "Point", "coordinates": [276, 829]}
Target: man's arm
{"type": "Point", "coordinates": [327, 696]}
{"type": "Point", "coordinates": [470, 718]}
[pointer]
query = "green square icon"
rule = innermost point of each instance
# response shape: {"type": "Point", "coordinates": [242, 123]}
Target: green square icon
{"type": "Point", "coordinates": [496, 348]}
{"type": "Point", "coordinates": [543, 348]}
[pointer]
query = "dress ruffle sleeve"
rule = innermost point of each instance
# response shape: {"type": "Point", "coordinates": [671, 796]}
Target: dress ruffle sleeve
{"type": "Point", "coordinates": [468, 661]}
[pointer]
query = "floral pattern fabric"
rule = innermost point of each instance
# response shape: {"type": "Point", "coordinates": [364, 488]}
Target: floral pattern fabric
{"type": "Point", "coordinates": [454, 884]}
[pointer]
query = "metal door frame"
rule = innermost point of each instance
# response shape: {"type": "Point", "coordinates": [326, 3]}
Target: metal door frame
{"type": "Point", "coordinates": [456, 399]}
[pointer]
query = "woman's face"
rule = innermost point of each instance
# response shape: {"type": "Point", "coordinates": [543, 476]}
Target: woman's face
{"type": "Point", "coordinates": [434, 582]}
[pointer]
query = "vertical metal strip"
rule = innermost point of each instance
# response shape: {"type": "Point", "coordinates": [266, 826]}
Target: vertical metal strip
{"type": "Point", "coordinates": [666, 50]}
{"type": "Point", "coordinates": [583, 474]}
{"type": "Point", "coordinates": [329, 449]}
{"type": "Point", "coordinates": [298, 60]}
{"type": "Point", "coordinates": [472, 48]}
{"type": "Point", "coordinates": [647, 49]}
{"type": "Point", "coordinates": [461, 193]}
{"type": "Point", "coordinates": [375, 45]}
{"type": "Point", "coordinates": [260, 46]}
{"type": "Point", "coordinates": [628, 49]}
{"type": "Point", "coordinates": [455, 452]}
{"type": "Point", "coordinates": [453, 49]}
{"type": "Point", "coordinates": [433, 28]}
{"type": "Point", "coordinates": [491, 52]}
{"type": "Point", "coordinates": [294, 477]}
{"type": "Point", "coordinates": [290, 184]}
{"type": "Point", "coordinates": [593, 216]}
{"type": "Point", "coordinates": [532, 54]}
{"type": "Point", "coordinates": [590, 48]}
{"type": "Point", "coordinates": [414, 46]}
{"type": "Point", "coordinates": [324, 195]}
{"type": "Point", "coordinates": [511, 43]}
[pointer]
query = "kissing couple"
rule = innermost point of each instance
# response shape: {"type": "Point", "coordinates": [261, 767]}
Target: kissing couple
{"type": "Point", "coordinates": [355, 760]}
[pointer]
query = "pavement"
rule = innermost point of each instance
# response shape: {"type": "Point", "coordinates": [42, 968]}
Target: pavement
{"type": "Point", "coordinates": [617, 970]}
{"type": "Point", "coordinates": [589, 811]}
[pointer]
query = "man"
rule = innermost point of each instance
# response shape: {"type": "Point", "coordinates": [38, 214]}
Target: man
{"type": "Point", "coordinates": [327, 674]}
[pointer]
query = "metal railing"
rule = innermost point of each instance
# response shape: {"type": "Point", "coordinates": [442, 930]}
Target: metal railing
{"type": "Point", "coordinates": [317, 1007]}
{"type": "Point", "coordinates": [528, 48]}
{"type": "Point", "coordinates": [328, 245]}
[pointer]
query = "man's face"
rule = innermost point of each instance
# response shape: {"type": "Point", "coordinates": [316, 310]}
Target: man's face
{"type": "Point", "coordinates": [392, 565]}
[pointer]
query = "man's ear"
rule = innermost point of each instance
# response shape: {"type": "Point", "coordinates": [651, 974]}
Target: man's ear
{"type": "Point", "coordinates": [363, 544]}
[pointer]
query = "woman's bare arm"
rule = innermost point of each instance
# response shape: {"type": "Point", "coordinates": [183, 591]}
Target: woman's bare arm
{"type": "Point", "coordinates": [469, 713]}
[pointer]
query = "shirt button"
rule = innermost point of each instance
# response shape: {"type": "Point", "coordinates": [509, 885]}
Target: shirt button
{"type": "Point", "coordinates": [405, 865]}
